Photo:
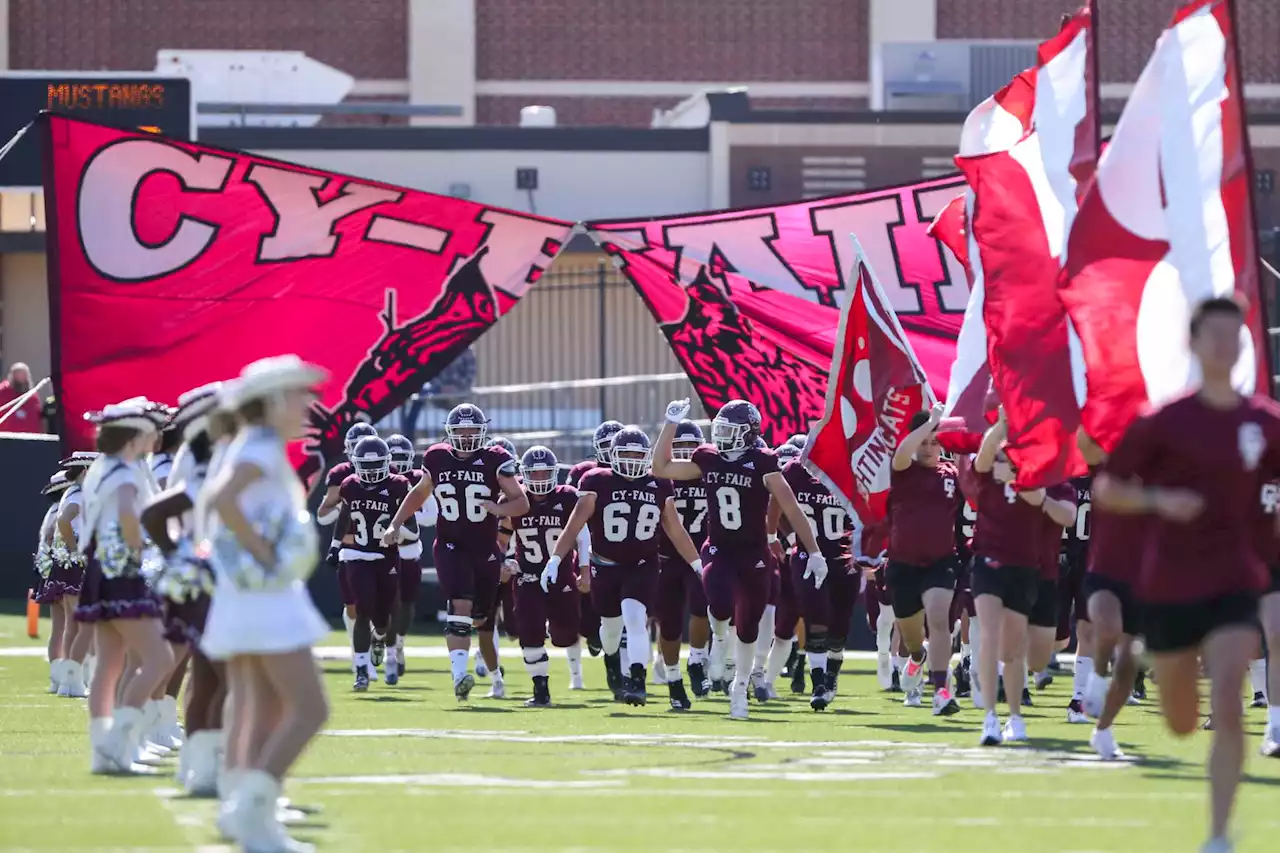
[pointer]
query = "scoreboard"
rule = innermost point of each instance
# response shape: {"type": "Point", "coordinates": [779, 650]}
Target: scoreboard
{"type": "Point", "coordinates": [154, 102]}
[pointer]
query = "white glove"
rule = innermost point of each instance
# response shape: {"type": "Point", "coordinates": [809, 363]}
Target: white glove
{"type": "Point", "coordinates": [696, 565]}
{"type": "Point", "coordinates": [551, 573]}
{"type": "Point", "coordinates": [391, 536]}
{"type": "Point", "coordinates": [817, 568]}
{"type": "Point", "coordinates": [678, 410]}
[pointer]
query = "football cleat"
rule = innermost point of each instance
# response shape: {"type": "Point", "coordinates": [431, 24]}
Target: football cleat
{"type": "Point", "coordinates": [797, 676]}
{"type": "Point", "coordinates": [593, 646]}
{"type": "Point", "coordinates": [912, 699]}
{"type": "Point", "coordinates": [1207, 725]}
{"type": "Point", "coordinates": [679, 698]}
{"type": "Point", "coordinates": [361, 683]}
{"type": "Point", "coordinates": [575, 681]}
{"type": "Point", "coordinates": [1015, 730]}
{"type": "Point", "coordinates": [497, 690]}
{"type": "Point", "coordinates": [1075, 712]}
{"type": "Point", "coordinates": [400, 666]}
{"type": "Point", "coordinates": [392, 676]}
{"type": "Point", "coordinates": [1026, 697]}
{"type": "Point", "coordinates": [1043, 679]}
{"type": "Point", "coordinates": [895, 683]}
{"type": "Point", "coordinates": [913, 675]}
{"type": "Point", "coordinates": [481, 669]}
{"type": "Point", "coordinates": [991, 735]}
{"type": "Point", "coordinates": [613, 675]}
{"type": "Point", "coordinates": [1140, 687]}
{"type": "Point", "coordinates": [378, 653]}
{"type": "Point", "coordinates": [720, 686]}
{"type": "Point", "coordinates": [462, 687]}
{"type": "Point", "coordinates": [819, 701]}
{"type": "Point", "coordinates": [961, 677]}
{"type": "Point", "coordinates": [541, 693]}
{"type": "Point", "coordinates": [759, 689]}
{"type": "Point", "coordinates": [1103, 742]}
{"type": "Point", "coordinates": [738, 703]}
{"type": "Point", "coordinates": [698, 681]}
{"type": "Point", "coordinates": [372, 672]}
{"type": "Point", "coordinates": [1271, 743]}
{"type": "Point", "coordinates": [634, 689]}
{"type": "Point", "coordinates": [1259, 700]}
{"type": "Point", "coordinates": [944, 704]}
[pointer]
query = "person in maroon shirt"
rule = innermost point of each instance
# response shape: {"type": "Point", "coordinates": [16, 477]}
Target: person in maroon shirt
{"type": "Point", "coordinates": [466, 478]}
{"type": "Point", "coordinates": [924, 495]}
{"type": "Point", "coordinates": [1008, 544]}
{"type": "Point", "coordinates": [1266, 690]}
{"type": "Point", "coordinates": [27, 417]}
{"type": "Point", "coordinates": [624, 507]}
{"type": "Point", "coordinates": [1042, 623]}
{"type": "Point", "coordinates": [1197, 465]}
{"type": "Point", "coordinates": [602, 442]}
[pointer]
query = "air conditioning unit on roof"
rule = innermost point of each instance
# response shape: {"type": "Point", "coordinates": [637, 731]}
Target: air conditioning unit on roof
{"type": "Point", "coordinates": [947, 75]}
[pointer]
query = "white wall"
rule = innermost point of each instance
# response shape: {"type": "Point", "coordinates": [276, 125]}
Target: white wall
{"type": "Point", "coordinates": [571, 184]}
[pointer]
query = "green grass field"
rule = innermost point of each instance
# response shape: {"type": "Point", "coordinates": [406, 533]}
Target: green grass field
{"type": "Point", "coordinates": [406, 768]}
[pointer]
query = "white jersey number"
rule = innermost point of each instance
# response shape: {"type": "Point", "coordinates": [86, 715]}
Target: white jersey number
{"type": "Point", "coordinates": [361, 532]}
{"type": "Point", "coordinates": [700, 510]}
{"type": "Point", "coordinates": [729, 502]}
{"type": "Point", "coordinates": [474, 496]}
{"type": "Point", "coordinates": [833, 518]}
{"type": "Point", "coordinates": [617, 521]}
{"type": "Point", "coordinates": [532, 545]}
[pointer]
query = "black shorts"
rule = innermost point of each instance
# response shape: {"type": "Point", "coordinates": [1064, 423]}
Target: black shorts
{"type": "Point", "coordinates": [907, 584]}
{"type": "Point", "coordinates": [1016, 586]}
{"type": "Point", "coordinates": [1095, 583]}
{"type": "Point", "coordinates": [1275, 580]}
{"type": "Point", "coordinates": [1044, 613]}
{"type": "Point", "coordinates": [1178, 627]}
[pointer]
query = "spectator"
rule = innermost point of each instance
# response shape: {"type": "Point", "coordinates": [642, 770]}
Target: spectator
{"type": "Point", "coordinates": [445, 391]}
{"type": "Point", "coordinates": [27, 417]}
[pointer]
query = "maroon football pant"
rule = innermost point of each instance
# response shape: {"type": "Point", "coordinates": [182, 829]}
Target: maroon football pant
{"type": "Point", "coordinates": [611, 583]}
{"type": "Point", "coordinates": [375, 584]}
{"type": "Point", "coordinates": [409, 579]}
{"type": "Point", "coordinates": [876, 598]}
{"type": "Point", "coordinates": [830, 606]}
{"type": "Point", "coordinates": [556, 612]}
{"type": "Point", "coordinates": [469, 576]}
{"type": "Point", "coordinates": [344, 585]}
{"type": "Point", "coordinates": [786, 614]}
{"type": "Point", "coordinates": [737, 586]}
{"type": "Point", "coordinates": [680, 593]}
{"type": "Point", "coordinates": [510, 607]}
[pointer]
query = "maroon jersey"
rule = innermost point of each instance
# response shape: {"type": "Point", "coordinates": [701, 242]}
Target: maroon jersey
{"type": "Point", "coordinates": [737, 498]}
{"type": "Point", "coordinates": [691, 504]}
{"type": "Point", "coordinates": [966, 521]}
{"type": "Point", "coordinates": [370, 507]}
{"type": "Point", "coordinates": [413, 475]}
{"type": "Point", "coordinates": [923, 503]}
{"type": "Point", "coordinates": [1053, 532]}
{"type": "Point", "coordinates": [1225, 457]}
{"type": "Point", "coordinates": [1008, 530]}
{"type": "Point", "coordinates": [460, 487]}
{"type": "Point", "coordinates": [337, 474]}
{"type": "Point", "coordinates": [628, 515]}
{"type": "Point", "coordinates": [537, 530]}
{"type": "Point", "coordinates": [577, 472]}
{"type": "Point", "coordinates": [827, 517]}
{"type": "Point", "coordinates": [1268, 543]}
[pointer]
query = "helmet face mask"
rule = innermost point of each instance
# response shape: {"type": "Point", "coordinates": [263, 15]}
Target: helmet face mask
{"type": "Point", "coordinates": [538, 469]}
{"type": "Point", "coordinates": [466, 428]}
{"type": "Point", "coordinates": [688, 438]}
{"type": "Point", "coordinates": [402, 454]}
{"type": "Point", "coordinates": [602, 441]}
{"type": "Point", "coordinates": [632, 453]}
{"type": "Point", "coordinates": [371, 459]}
{"type": "Point", "coordinates": [735, 427]}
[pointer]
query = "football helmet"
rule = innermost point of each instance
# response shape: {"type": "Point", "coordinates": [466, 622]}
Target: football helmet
{"type": "Point", "coordinates": [465, 428]}
{"type": "Point", "coordinates": [402, 454]}
{"type": "Point", "coordinates": [687, 439]}
{"type": "Point", "coordinates": [538, 468]}
{"type": "Point", "coordinates": [355, 432]}
{"type": "Point", "coordinates": [798, 441]}
{"type": "Point", "coordinates": [505, 443]}
{"type": "Point", "coordinates": [371, 459]}
{"type": "Point", "coordinates": [735, 427]}
{"type": "Point", "coordinates": [603, 440]}
{"type": "Point", "coordinates": [787, 452]}
{"type": "Point", "coordinates": [631, 453]}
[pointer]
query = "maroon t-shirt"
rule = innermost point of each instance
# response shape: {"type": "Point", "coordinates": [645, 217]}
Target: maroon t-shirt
{"type": "Point", "coordinates": [461, 485]}
{"type": "Point", "coordinates": [827, 516]}
{"type": "Point", "coordinates": [577, 472]}
{"type": "Point", "coordinates": [1116, 545]}
{"type": "Point", "coordinates": [1225, 457]}
{"type": "Point", "coordinates": [1053, 532]}
{"type": "Point", "coordinates": [537, 530]}
{"type": "Point", "coordinates": [628, 515]}
{"type": "Point", "coordinates": [737, 498]}
{"type": "Point", "coordinates": [1008, 530]}
{"type": "Point", "coordinates": [337, 474]}
{"type": "Point", "coordinates": [923, 502]}
{"type": "Point", "coordinates": [966, 521]}
{"type": "Point", "coordinates": [370, 507]}
{"type": "Point", "coordinates": [691, 505]}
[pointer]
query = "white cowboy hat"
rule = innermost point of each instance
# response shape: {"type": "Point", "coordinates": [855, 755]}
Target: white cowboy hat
{"type": "Point", "coordinates": [135, 413]}
{"type": "Point", "coordinates": [194, 408]}
{"type": "Point", "coordinates": [57, 483]}
{"type": "Point", "coordinates": [268, 376]}
{"type": "Point", "coordinates": [79, 459]}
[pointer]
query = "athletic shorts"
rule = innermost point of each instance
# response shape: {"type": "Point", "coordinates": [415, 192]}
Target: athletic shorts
{"type": "Point", "coordinates": [1044, 613]}
{"type": "Point", "coordinates": [1178, 627]}
{"type": "Point", "coordinates": [1095, 583]}
{"type": "Point", "coordinates": [908, 583]}
{"type": "Point", "coordinates": [1015, 586]}
{"type": "Point", "coordinates": [1275, 580]}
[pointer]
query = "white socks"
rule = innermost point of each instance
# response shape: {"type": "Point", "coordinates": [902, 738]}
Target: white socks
{"type": "Point", "coordinates": [742, 673]}
{"type": "Point", "coordinates": [458, 663]}
{"type": "Point", "coordinates": [719, 648]}
{"type": "Point", "coordinates": [778, 655]}
{"type": "Point", "coordinates": [884, 631]}
{"type": "Point", "coordinates": [1258, 675]}
{"type": "Point", "coordinates": [610, 634]}
{"type": "Point", "coordinates": [391, 662]}
{"type": "Point", "coordinates": [764, 640]}
{"type": "Point", "coordinates": [816, 660]}
{"type": "Point", "coordinates": [536, 662]}
{"type": "Point", "coordinates": [574, 654]}
{"type": "Point", "coordinates": [1080, 681]}
{"type": "Point", "coordinates": [636, 619]}
{"type": "Point", "coordinates": [697, 654]}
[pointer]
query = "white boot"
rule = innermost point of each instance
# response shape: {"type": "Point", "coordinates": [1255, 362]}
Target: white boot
{"type": "Point", "coordinates": [56, 667]}
{"type": "Point", "coordinates": [73, 685]}
{"type": "Point", "coordinates": [126, 732]}
{"type": "Point", "coordinates": [90, 663]}
{"type": "Point", "coordinates": [260, 828]}
{"type": "Point", "coordinates": [100, 760]}
{"type": "Point", "coordinates": [228, 786]}
{"type": "Point", "coordinates": [201, 752]}
{"type": "Point", "coordinates": [148, 749]}
{"type": "Point", "coordinates": [168, 731]}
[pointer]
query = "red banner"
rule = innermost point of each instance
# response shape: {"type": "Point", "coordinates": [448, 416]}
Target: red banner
{"type": "Point", "coordinates": [750, 299]}
{"type": "Point", "coordinates": [172, 264]}
{"type": "Point", "coordinates": [875, 388]}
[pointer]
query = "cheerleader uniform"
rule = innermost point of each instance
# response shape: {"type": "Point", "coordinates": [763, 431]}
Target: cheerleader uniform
{"type": "Point", "coordinates": [68, 566]}
{"type": "Point", "coordinates": [186, 612]}
{"type": "Point", "coordinates": [44, 557]}
{"type": "Point", "coordinates": [161, 467]}
{"type": "Point", "coordinates": [113, 586]}
{"type": "Point", "coordinates": [276, 616]}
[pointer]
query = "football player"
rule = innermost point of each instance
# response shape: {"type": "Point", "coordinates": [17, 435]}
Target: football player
{"type": "Point", "coordinates": [466, 479]}
{"type": "Point", "coordinates": [544, 608]}
{"type": "Point", "coordinates": [623, 507]}
{"type": "Point", "coordinates": [740, 479]}
{"type": "Point", "coordinates": [787, 624]}
{"type": "Point", "coordinates": [680, 587]}
{"type": "Point", "coordinates": [602, 444]}
{"type": "Point", "coordinates": [507, 621]}
{"type": "Point", "coordinates": [1073, 608]}
{"type": "Point", "coordinates": [409, 572]}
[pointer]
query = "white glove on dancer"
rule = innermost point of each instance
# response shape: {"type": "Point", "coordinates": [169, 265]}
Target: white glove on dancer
{"type": "Point", "coordinates": [551, 573]}
{"type": "Point", "coordinates": [817, 568]}
{"type": "Point", "coordinates": [678, 410]}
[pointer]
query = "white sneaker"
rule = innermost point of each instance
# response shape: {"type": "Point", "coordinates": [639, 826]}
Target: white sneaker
{"type": "Point", "coordinates": [975, 696]}
{"type": "Point", "coordinates": [884, 671]}
{"type": "Point", "coordinates": [1218, 845]}
{"type": "Point", "coordinates": [372, 672]}
{"type": "Point", "coordinates": [1043, 679]}
{"type": "Point", "coordinates": [912, 699]}
{"type": "Point", "coordinates": [738, 702]}
{"type": "Point", "coordinates": [1095, 695]}
{"type": "Point", "coordinates": [773, 694]}
{"type": "Point", "coordinates": [481, 669]}
{"type": "Point", "coordinates": [498, 690]}
{"type": "Point", "coordinates": [201, 754]}
{"type": "Point", "coordinates": [1103, 742]}
{"type": "Point", "coordinates": [1015, 730]}
{"type": "Point", "coordinates": [991, 730]}
{"type": "Point", "coordinates": [1075, 712]}
{"type": "Point", "coordinates": [1271, 742]}
{"type": "Point", "coordinates": [575, 681]}
{"type": "Point", "coordinates": [913, 675]}
{"type": "Point", "coordinates": [944, 704]}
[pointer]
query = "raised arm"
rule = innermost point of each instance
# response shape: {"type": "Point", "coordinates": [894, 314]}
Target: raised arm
{"type": "Point", "coordinates": [904, 455]}
{"type": "Point", "coordinates": [327, 513]}
{"type": "Point", "coordinates": [992, 439]}
{"type": "Point", "coordinates": [663, 465]}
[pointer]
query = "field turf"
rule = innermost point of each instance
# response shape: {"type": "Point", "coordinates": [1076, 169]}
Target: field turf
{"type": "Point", "coordinates": [406, 768]}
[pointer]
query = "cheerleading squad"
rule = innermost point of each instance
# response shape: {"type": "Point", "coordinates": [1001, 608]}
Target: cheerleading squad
{"type": "Point", "coordinates": [730, 541]}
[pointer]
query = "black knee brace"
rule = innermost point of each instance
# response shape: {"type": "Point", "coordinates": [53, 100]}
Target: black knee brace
{"type": "Point", "coordinates": [815, 641]}
{"type": "Point", "coordinates": [457, 629]}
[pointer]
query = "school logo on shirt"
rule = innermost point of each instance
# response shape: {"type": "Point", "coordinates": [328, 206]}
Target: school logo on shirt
{"type": "Point", "coordinates": [949, 486]}
{"type": "Point", "coordinates": [1252, 444]}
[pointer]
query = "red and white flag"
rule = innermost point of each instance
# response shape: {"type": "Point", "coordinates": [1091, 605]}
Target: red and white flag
{"type": "Point", "coordinates": [876, 385]}
{"type": "Point", "coordinates": [1167, 223]}
{"type": "Point", "coordinates": [1026, 153]}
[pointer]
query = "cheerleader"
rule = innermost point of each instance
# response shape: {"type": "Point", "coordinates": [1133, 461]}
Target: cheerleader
{"type": "Point", "coordinates": [262, 621]}
{"type": "Point", "coordinates": [185, 580]}
{"type": "Point", "coordinates": [114, 597]}
{"type": "Point", "coordinates": [68, 574]}
{"type": "Point", "coordinates": [44, 569]}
